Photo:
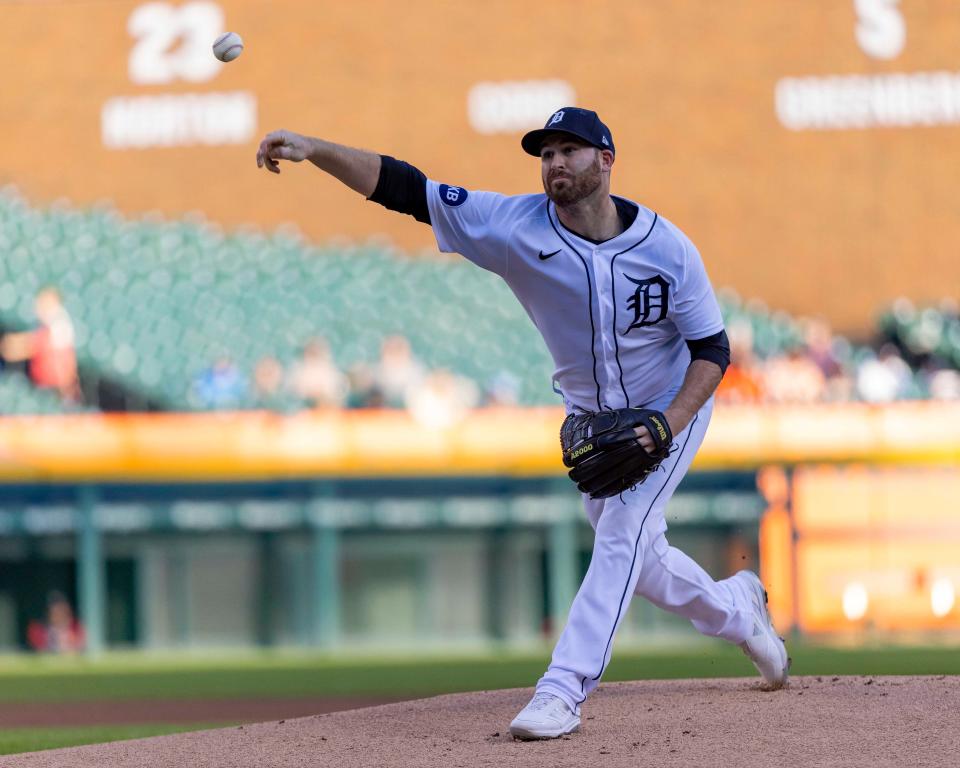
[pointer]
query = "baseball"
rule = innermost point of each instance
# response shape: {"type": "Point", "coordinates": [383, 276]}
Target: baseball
{"type": "Point", "coordinates": [228, 46]}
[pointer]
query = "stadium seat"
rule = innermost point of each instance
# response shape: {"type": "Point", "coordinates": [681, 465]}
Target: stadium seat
{"type": "Point", "coordinates": [155, 302]}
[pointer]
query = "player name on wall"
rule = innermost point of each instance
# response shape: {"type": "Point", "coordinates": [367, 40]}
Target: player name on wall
{"type": "Point", "coordinates": [512, 106]}
{"type": "Point", "coordinates": [869, 101]}
{"type": "Point", "coordinates": [179, 120]}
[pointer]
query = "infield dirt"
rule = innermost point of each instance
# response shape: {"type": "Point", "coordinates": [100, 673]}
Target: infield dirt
{"type": "Point", "coordinates": [816, 721]}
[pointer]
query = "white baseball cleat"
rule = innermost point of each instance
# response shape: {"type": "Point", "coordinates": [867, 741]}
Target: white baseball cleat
{"type": "Point", "coordinates": [765, 648]}
{"type": "Point", "coordinates": [545, 717]}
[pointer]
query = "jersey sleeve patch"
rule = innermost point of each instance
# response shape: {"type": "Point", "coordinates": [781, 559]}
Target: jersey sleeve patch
{"type": "Point", "coordinates": [452, 197]}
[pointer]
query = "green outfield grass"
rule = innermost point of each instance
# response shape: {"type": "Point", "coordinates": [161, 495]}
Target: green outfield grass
{"type": "Point", "coordinates": [277, 674]}
{"type": "Point", "coordinates": [139, 676]}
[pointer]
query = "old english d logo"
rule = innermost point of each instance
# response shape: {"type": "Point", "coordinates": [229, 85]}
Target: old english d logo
{"type": "Point", "coordinates": [649, 302]}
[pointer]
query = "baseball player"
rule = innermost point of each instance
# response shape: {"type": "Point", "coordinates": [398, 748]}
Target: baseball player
{"type": "Point", "coordinates": [623, 302]}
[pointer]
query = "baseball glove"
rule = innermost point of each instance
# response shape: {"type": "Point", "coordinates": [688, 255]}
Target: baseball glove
{"type": "Point", "coordinates": [603, 451]}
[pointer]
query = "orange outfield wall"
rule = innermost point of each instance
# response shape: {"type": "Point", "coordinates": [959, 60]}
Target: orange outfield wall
{"type": "Point", "coordinates": [835, 222]}
{"type": "Point", "coordinates": [851, 549]}
{"type": "Point", "coordinates": [243, 446]}
{"type": "Point", "coordinates": [868, 506]}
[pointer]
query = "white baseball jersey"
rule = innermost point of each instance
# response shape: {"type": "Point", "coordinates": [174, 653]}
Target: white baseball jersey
{"type": "Point", "coordinates": [614, 316]}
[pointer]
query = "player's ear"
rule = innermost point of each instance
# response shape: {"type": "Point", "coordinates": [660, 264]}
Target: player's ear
{"type": "Point", "coordinates": [606, 159]}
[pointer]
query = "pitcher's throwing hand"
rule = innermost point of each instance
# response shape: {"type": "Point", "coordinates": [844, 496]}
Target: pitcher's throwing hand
{"type": "Point", "coordinates": [282, 145]}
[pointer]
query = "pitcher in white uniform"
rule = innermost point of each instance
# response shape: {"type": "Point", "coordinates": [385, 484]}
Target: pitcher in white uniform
{"type": "Point", "coordinates": [623, 302]}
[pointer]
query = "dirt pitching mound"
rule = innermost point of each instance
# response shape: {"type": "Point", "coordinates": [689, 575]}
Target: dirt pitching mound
{"type": "Point", "coordinates": [816, 721]}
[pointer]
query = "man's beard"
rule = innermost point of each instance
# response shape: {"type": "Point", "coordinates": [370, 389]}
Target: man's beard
{"type": "Point", "coordinates": [577, 187]}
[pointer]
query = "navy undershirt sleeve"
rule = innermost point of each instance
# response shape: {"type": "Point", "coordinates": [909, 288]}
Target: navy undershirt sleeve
{"type": "Point", "coordinates": [402, 188]}
{"type": "Point", "coordinates": [714, 348]}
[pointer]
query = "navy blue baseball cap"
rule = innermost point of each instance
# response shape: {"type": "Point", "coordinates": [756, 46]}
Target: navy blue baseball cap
{"type": "Point", "coordinates": [582, 123]}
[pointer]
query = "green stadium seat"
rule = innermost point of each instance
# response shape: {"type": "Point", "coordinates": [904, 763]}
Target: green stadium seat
{"type": "Point", "coordinates": [18, 396]}
{"type": "Point", "coordinates": [156, 301]}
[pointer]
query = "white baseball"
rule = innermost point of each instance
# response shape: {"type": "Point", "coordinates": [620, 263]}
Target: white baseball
{"type": "Point", "coordinates": [228, 46]}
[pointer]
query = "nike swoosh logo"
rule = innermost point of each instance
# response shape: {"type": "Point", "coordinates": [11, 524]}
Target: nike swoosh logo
{"type": "Point", "coordinates": [545, 256]}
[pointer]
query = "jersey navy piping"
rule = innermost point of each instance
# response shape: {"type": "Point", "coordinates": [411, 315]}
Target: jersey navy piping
{"type": "Point", "coordinates": [633, 565]}
{"type": "Point", "coordinates": [613, 288]}
{"type": "Point", "coordinates": [593, 330]}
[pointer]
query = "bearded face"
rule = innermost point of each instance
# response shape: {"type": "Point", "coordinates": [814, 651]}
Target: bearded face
{"type": "Point", "coordinates": [571, 171]}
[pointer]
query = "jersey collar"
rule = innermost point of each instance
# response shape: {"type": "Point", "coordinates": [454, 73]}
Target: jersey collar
{"type": "Point", "coordinates": [638, 230]}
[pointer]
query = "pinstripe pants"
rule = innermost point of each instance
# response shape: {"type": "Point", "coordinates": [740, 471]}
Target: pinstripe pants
{"type": "Point", "coordinates": [631, 556]}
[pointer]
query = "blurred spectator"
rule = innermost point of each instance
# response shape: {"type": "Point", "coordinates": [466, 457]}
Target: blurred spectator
{"type": "Point", "coordinates": [60, 632]}
{"type": "Point", "coordinates": [822, 348]}
{"type": "Point", "coordinates": [399, 373]}
{"type": "Point", "coordinates": [502, 390]}
{"type": "Point", "coordinates": [442, 399]}
{"type": "Point", "coordinates": [364, 391]}
{"type": "Point", "coordinates": [220, 386]}
{"type": "Point", "coordinates": [49, 350]}
{"type": "Point", "coordinates": [944, 384]}
{"type": "Point", "coordinates": [316, 379]}
{"type": "Point", "coordinates": [741, 382]}
{"type": "Point", "coordinates": [793, 378]}
{"type": "Point", "coordinates": [818, 340]}
{"type": "Point", "coordinates": [884, 378]}
{"type": "Point", "coordinates": [268, 383]}
{"type": "Point", "coordinates": [840, 387]}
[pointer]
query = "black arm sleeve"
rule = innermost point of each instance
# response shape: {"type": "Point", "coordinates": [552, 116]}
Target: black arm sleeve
{"type": "Point", "coordinates": [402, 188]}
{"type": "Point", "coordinates": [714, 348]}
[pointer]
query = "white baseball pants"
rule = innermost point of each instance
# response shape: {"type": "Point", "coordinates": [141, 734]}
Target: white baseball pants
{"type": "Point", "coordinates": [631, 556]}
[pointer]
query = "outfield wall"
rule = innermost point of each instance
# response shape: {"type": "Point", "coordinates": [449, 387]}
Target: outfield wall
{"type": "Point", "coordinates": [386, 563]}
{"type": "Point", "coordinates": [809, 147]}
{"type": "Point", "coordinates": [352, 529]}
{"type": "Point", "coordinates": [334, 444]}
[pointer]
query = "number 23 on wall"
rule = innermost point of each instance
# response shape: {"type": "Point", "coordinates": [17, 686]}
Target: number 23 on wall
{"type": "Point", "coordinates": [173, 42]}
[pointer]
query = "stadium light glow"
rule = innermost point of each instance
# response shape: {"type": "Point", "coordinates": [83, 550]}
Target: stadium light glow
{"type": "Point", "coordinates": [942, 597]}
{"type": "Point", "coordinates": [855, 601]}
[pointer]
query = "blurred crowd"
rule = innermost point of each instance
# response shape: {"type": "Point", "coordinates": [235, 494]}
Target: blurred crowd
{"type": "Point", "coordinates": [397, 380]}
{"type": "Point", "coordinates": [816, 366]}
{"type": "Point", "coordinates": [819, 367]}
{"type": "Point", "coordinates": [823, 367]}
